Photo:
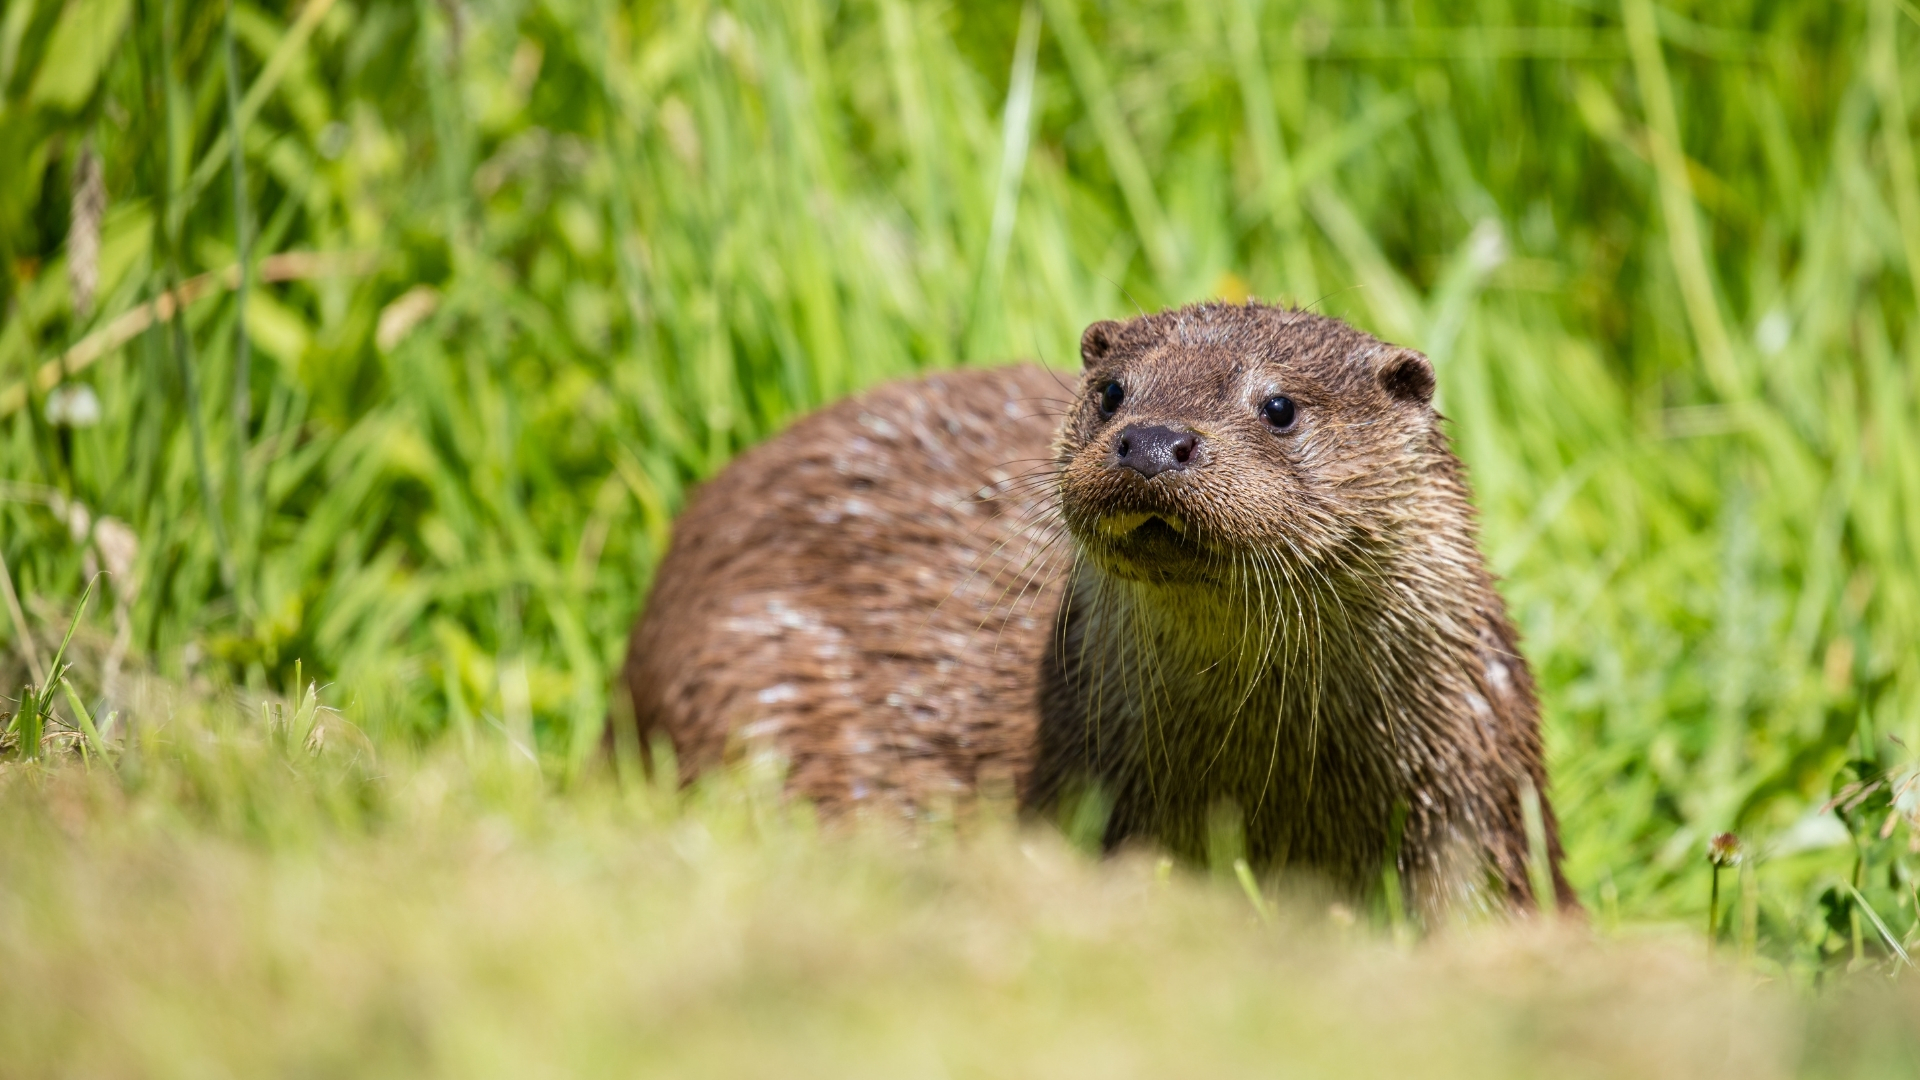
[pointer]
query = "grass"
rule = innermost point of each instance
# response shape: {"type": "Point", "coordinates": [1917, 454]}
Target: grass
{"type": "Point", "coordinates": [235, 904]}
{"type": "Point", "coordinates": [515, 274]}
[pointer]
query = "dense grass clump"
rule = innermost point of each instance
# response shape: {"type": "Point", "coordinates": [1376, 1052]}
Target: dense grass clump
{"type": "Point", "coordinates": [235, 903]}
{"type": "Point", "coordinates": [384, 339]}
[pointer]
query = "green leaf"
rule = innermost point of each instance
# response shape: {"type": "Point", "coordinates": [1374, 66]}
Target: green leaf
{"type": "Point", "coordinates": [82, 41]}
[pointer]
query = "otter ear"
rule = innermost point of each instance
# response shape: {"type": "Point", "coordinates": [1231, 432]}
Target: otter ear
{"type": "Point", "coordinates": [1408, 376]}
{"type": "Point", "coordinates": [1098, 340]}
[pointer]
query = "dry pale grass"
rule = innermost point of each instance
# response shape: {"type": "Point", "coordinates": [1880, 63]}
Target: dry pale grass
{"type": "Point", "coordinates": [227, 906]}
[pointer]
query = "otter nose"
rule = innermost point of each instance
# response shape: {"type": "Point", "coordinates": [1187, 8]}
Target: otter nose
{"type": "Point", "coordinates": [1152, 449]}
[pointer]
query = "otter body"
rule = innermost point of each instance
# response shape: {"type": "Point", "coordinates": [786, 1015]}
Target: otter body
{"type": "Point", "coordinates": [849, 596]}
{"type": "Point", "coordinates": [1233, 568]}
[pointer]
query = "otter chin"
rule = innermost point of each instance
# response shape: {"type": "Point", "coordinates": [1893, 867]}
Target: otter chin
{"type": "Point", "coordinates": [1147, 546]}
{"type": "Point", "coordinates": [1126, 524]}
{"type": "Point", "coordinates": [1231, 569]}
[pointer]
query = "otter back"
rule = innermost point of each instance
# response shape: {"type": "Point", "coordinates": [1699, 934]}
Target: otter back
{"type": "Point", "coordinates": [867, 595]}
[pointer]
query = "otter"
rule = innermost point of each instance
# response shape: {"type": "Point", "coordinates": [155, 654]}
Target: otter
{"type": "Point", "coordinates": [1234, 569]}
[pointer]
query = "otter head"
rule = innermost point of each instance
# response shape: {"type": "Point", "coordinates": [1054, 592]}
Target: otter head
{"type": "Point", "coordinates": [1209, 438]}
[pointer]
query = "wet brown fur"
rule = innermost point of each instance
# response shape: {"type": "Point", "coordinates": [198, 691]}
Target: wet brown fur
{"type": "Point", "coordinates": [949, 580]}
{"type": "Point", "coordinates": [866, 595]}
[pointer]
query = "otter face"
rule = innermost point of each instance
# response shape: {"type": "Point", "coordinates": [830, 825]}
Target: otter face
{"type": "Point", "coordinates": [1208, 438]}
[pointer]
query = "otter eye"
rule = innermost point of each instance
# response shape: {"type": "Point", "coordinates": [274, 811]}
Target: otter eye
{"type": "Point", "coordinates": [1279, 411]}
{"type": "Point", "coordinates": [1110, 398]}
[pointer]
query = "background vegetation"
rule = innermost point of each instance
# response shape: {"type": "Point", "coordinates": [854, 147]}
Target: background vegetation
{"type": "Point", "coordinates": [379, 342]}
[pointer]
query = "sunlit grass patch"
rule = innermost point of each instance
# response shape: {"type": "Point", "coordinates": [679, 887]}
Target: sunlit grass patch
{"type": "Point", "coordinates": [235, 904]}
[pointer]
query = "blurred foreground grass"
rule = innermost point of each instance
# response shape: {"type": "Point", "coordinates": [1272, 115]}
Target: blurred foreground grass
{"type": "Point", "coordinates": [469, 292]}
{"type": "Point", "coordinates": [236, 904]}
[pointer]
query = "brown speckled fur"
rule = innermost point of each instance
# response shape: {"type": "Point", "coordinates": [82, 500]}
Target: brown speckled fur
{"type": "Point", "coordinates": [952, 579]}
{"type": "Point", "coordinates": [866, 594]}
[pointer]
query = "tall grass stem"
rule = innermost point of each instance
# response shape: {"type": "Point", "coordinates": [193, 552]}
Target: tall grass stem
{"type": "Point", "coordinates": [1685, 245]}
